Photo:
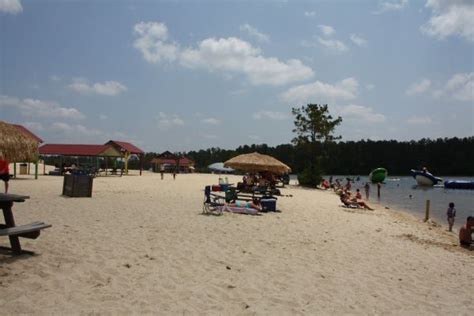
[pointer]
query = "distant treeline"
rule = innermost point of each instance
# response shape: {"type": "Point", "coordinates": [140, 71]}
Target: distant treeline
{"type": "Point", "coordinates": [443, 156]}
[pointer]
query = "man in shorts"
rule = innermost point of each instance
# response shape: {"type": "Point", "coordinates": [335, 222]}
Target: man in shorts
{"type": "Point", "coordinates": [4, 173]}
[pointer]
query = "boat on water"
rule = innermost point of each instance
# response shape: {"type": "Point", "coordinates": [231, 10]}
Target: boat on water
{"type": "Point", "coordinates": [459, 184]}
{"type": "Point", "coordinates": [424, 178]}
{"type": "Point", "coordinates": [378, 175]}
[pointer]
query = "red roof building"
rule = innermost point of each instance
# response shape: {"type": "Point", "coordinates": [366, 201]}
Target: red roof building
{"type": "Point", "coordinates": [124, 146]}
{"type": "Point", "coordinates": [79, 150]}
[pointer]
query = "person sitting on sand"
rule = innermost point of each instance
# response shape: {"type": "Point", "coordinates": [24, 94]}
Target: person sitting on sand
{"type": "Point", "coordinates": [347, 201]}
{"type": "Point", "coordinates": [358, 195]}
{"type": "Point", "coordinates": [465, 232]}
{"type": "Point", "coordinates": [255, 204]}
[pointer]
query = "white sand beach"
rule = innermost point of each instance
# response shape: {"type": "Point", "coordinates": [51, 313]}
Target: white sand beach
{"type": "Point", "coordinates": [140, 245]}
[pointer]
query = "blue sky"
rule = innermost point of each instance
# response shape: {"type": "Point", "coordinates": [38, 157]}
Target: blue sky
{"type": "Point", "coordinates": [186, 75]}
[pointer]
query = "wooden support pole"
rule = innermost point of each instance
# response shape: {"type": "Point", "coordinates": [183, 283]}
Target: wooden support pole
{"type": "Point", "coordinates": [427, 210]}
{"type": "Point", "coordinates": [36, 169]}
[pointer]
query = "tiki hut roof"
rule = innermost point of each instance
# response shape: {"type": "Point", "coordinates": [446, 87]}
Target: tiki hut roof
{"type": "Point", "coordinates": [256, 162]}
{"type": "Point", "coordinates": [15, 145]}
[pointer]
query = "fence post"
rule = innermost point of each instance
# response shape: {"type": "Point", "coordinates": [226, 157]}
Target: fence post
{"type": "Point", "coordinates": [427, 210]}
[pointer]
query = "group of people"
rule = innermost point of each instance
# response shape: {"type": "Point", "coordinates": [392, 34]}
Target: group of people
{"type": "Point", "coordinates": [346, 196]}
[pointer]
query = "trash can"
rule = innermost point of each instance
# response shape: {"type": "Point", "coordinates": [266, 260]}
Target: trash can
{"type": "Point", "coordinates": [23, 168]}
{"type": "Point", "coordinates": [77, 185]}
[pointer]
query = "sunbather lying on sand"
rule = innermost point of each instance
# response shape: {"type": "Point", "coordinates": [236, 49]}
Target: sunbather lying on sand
{"type": "Point", "coordinates": [348, 201]}
{"type": "Point", "coordinates": [255, 204]}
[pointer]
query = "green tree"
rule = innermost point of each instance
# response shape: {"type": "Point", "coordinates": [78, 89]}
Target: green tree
{"type": "Point", "coordinates": [314, 128]}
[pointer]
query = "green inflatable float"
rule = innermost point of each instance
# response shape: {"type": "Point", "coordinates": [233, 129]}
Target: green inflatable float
{"type": "Point", "coordinates": [378, 175]}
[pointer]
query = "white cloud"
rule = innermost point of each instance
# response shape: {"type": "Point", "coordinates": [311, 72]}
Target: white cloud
{"type": "Point", "coordinates": [327, 30]}
{"type": "Point", "coordinates": [103, 117]}
{"type": "Point", "coordinates": [37, 108]}
{"type": "Point", "coordinates": [418, 87]}
{"type": "Point", "coordinates": [10, 6]}
{"type": "Point", "coordinates": [211, 121]}
{"type": "Point", "coordinates": [370, 86]}
{"type": "Point", "coordinates": [310, 14]}
{"type": "Point", "coordinates": [360, 113]}
{"type": "Point", "coordinates": [393, 5]}
{"type": "Point", "coordinates": [54, 78]}
{"type": "Point", "coordinates": [359, 41]}
{"type": "Point", "coordinates": [459, 88]}
{"type": "Point", "coordinates": [318, 91]}
{"type": "Point", "coordinates": [333, 44]}
{"type": "Point", "coordinates": [270, 115]}
{"type": "Point", "coordinates": [230, 56]}
{"type": "Point", "coordinates": [110, 88]}
{"type": "Point", "coordinates": [450, 17]}
{"type": "Point", "coordinates": [152, 42]}
{"type": "Point", "coordinates": [235, 56]}
{"type": "Point", "coordinates": [252, 31]}
{"type": "Point", "coordinates": [419, 120]}
{"type": "Point", "coordinates": [167, 121]}
{"type": "Point", "coordinates": [254, 137]}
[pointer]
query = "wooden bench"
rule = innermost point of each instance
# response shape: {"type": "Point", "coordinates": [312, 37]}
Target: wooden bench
{"type": "Point", "coordinates": [31, 231]}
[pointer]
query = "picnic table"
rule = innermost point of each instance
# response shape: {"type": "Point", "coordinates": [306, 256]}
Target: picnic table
{"type": "Point", "coordinates": [13, 232]}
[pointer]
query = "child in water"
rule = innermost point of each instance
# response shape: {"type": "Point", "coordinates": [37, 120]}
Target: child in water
{"type": "Point", "coordinates": [451, 214]}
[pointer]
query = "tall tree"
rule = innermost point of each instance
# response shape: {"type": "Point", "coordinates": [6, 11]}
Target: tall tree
{"type": "Point", "coordinates": [314, 128]}
{"type": "Point", "coordinates": [313, 123]}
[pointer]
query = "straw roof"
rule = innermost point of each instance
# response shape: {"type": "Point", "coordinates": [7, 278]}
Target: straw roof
{"type": "Point", "coordinates": [256, 162]}
{"type": "Point", "coordinates": [15, 145]}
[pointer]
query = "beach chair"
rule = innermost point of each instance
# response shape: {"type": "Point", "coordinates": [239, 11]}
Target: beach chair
{"type": "Point", "coordinates": [212, 202]}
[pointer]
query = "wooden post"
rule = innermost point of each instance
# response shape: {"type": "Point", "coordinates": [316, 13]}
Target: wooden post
{"type": "Point", "coordinates": [36, 169]}
{"type": "Point", "coordinates": [427, 210]}
{"type": "Point", "coordinates": [14, 170]}
{"type": "Point", "coordinates": [127, 154]}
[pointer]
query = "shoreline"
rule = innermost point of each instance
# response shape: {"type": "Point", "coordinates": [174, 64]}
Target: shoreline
{"type": "Point", "coordinates": [141, 245]}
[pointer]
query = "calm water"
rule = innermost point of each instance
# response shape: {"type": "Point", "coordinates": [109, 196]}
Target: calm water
{"type": "Point", "coordinates": [395, 192]}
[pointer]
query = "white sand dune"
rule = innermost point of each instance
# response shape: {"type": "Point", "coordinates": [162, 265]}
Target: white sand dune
{"type": "Point", "coordinates": [140, 245]}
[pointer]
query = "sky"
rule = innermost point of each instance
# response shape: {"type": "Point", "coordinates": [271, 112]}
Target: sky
{"type": "Point", "coordinates": [190, 75]}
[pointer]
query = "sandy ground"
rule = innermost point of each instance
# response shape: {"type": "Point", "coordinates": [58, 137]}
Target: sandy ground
{"type": "Point", "coordinates": [140, 245]}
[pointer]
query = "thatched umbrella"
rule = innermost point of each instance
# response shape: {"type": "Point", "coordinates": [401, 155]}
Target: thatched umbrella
{"type": "Point", "coordinates": [256, 162]}
{"type": "Point", "coordinates": [15, 145]}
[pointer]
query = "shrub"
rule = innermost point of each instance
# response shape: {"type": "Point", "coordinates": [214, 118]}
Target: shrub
{"type": "Point", "coordinates": [311, 176]}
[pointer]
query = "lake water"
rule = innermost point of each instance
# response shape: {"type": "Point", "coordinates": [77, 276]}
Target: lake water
{"type": "Point", "coordinates": [396, 192]}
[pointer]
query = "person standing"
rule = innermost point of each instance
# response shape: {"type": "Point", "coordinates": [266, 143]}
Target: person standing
{"type": "Point", "coordinates": [367, 190]}
{"type": "Point", "coordinates": [174, 174]}
{"type": "Point", "coordinates": [162, 170]}
{"type": "Point", "coordinates": [451, 214]}
{"type": "Point", "coordinates": [5, 173]}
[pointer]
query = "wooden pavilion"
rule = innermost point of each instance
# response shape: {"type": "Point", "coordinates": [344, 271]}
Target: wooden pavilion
{"type": "Point", "coordinates": [174, 161]}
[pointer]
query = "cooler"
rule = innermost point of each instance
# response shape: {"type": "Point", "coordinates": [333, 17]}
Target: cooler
{"type": "Point", "coordinates": [268, 205]}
